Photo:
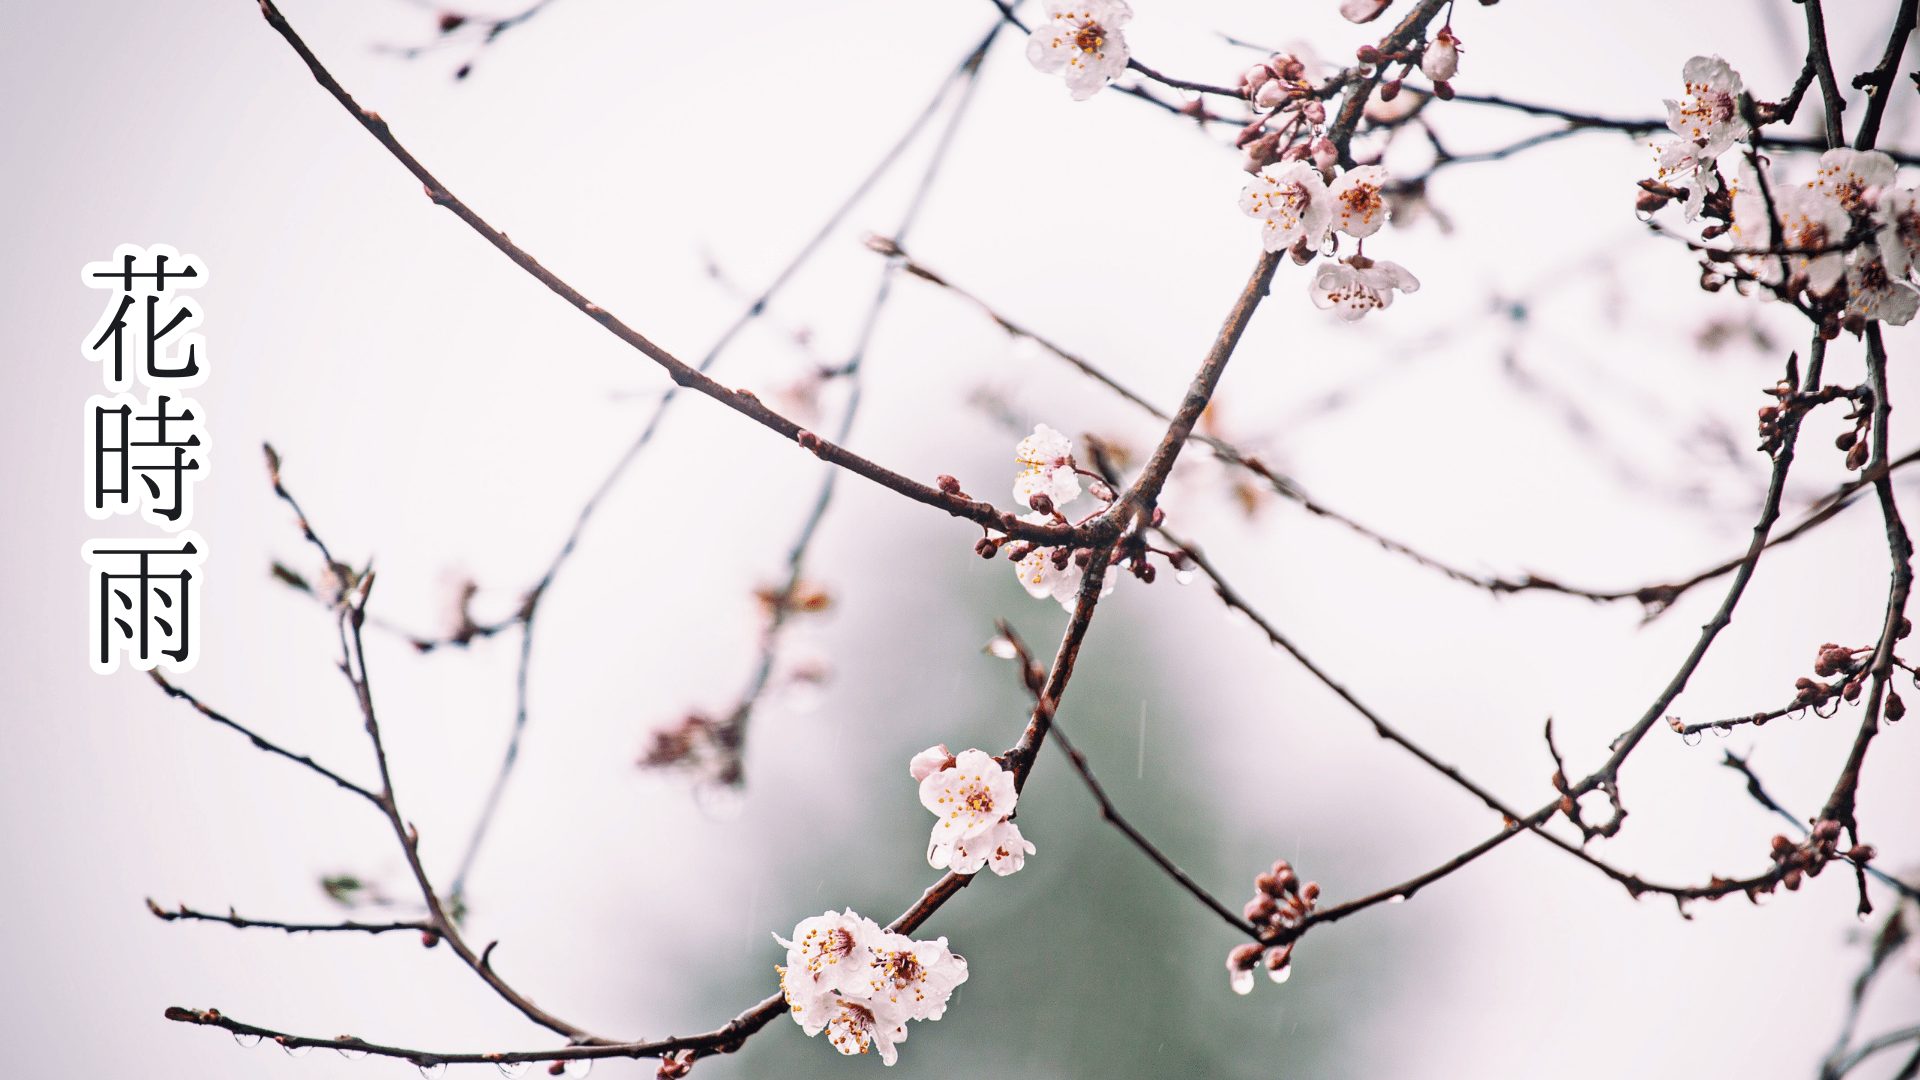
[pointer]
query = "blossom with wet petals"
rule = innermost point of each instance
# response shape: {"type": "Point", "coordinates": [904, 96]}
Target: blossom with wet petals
{"type": "Point", "coordinates": [1001, 849]}
{"type": "Point", "coordinates": [861, 984]}
{"type": "Point", "coordinates": [912, 978]}
{"type": "Point", "coordinates": [969, 798]}
{"type": "Point", "coordinates": [1081, 39]}
{"type": "Point", "coordinates": [829, 954]}
{"type": "Point", "coordinates": [1292, 203]}
{"type": "Point", "coordinates": [1359, 285]}
{"type": "Point", "coordinates": [1442, 58]}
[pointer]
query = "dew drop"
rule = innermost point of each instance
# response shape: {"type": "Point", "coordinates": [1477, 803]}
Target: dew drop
{"type": "Point", "coordinates": [1722, 731]}
{"type": "Point", "coordinates": [1280, 974]}
{"type": "Point", "coordinates": [1241, 981]}
{"type": "Point", "coordinates": [513, 1070]}
{"type": "Point", "coordinates": [577, 1067]}
{"type": "Point", "coordinates": [434, 1071]}
{"type": "Point", "coordinates": [1002, 648]}
{"type": "Point", "coordinates": [1691, 738]}
{"type": "Point", "coordinates": [244, 1039]}
{"type": "Point", "coordinates": [350, 1055]}
{"type": "Point", "coordinates": [296, 1051]}
{"type": "Point", "coordinates": [1185, 577]}
{"type": "Point", "coordinates": [1397, 898]}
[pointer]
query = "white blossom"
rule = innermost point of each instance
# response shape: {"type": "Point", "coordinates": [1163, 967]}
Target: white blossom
{"type": "Point", "coordinates": [1899, 233]}
{"type": "Point", "coordinates": [1001, 849]}
{"type": "Point", "coordinates": [914, 979]}
{"type": "Point", "coordinates": [857, 1027]}
{"type": "Point", "coordinates": [1292, 203]}
{"type": "Point", "coordinates": [1359, 285]}
{"type": "Point", "coordinates": [1046, 468]}
{"type": "Point", "coordinates": [1442, 58]}
{"type": "Point", "coordinates": [1853, 178]}
{"type": "Point", "coordinates": [1042, 576]}
{"type": "Point", "coordinates": [1683, 163]}
{"type": "Point", "coordinates": [1358, 208]}
{"type": "Point", "coordinates": [968, 799]}
{"type": "Point", "coordinates": [1082, 40]}
{"type": "Point", "coordinates": [1872, 294]}
{"type": "Point", "coordinates": [829, 954]}
{"type": "Point", "coordinates": [1709, 112]}
{"type": "Point", "coordinates": [930, 761]}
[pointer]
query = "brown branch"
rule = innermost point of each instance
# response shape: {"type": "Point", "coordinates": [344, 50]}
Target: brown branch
{"type": "Point", "coordinates": [1032, 677]}
{"type": "Point", "coordinates": [231, 918]}
{"type": "Point", "coordinates": [1878, 83]}
{"type": "Point", "coordinates": [743, 402]}
{"type": "Point", "coordinates": [259, 742]}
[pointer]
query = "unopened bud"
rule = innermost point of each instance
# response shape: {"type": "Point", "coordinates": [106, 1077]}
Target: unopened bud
{"type": "Point", "coordinates": [948, 484]}
{"type": "Point", "coordinates": [1041, 502]}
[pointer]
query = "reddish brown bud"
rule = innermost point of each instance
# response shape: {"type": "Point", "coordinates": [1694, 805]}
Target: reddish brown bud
{"type": "Point", "coordinates": [948, 484]}
{"type": "Point", "coordinates": [1245, 955]}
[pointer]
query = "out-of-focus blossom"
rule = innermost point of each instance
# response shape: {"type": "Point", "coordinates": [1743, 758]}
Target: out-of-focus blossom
{"type": "Point", "coordinates": [1046, 468]}
{"type": "Point", "coordinates": [1363, 11]}
{"type": "Point", "coordinates": [1853, 178]}
{"type": "Point", "coordinates": [1873, 294]}
{"type": "Point", "coordinates": [1899, 234]}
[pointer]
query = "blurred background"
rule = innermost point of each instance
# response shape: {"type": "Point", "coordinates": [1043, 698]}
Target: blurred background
{"type": "Point", "coordinates": [1559, 398]}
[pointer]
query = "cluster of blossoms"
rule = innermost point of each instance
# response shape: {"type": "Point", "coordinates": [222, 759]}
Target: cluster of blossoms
{"type": "Point", "coordinates": [1847, 237]}
{"type": "Point", "coordinates": [1049, 481]}
{"type": "Point", "coordinates": [848, 976]}
{"type": "Point", "coordinates": [1300, 212]}
{"type": "Point", "coordinates": [1081, 40]}
{"type": "Point", "coordinates": [1280, 904]}
{"type": "Point", "coordinates": [973, 798]}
